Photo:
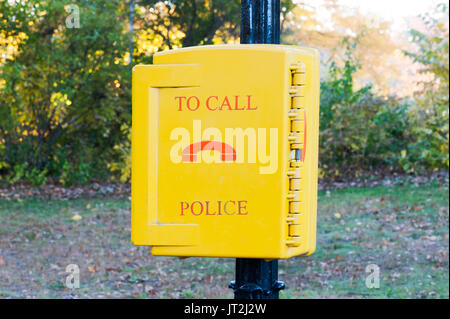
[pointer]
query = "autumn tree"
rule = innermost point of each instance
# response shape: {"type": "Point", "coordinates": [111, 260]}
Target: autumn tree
{"type": "Point", "coordinates": [65, 93]}
{"type": "Point", "coordinates": [182, 23]}
{"type": "Point", "coordinates": [376, 49]}
{"type": "Point", "coordinates": [432, 101]}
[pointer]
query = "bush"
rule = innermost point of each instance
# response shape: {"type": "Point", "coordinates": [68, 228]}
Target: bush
{"type": "Point", "coordinates": [359, 132]}
{"type": "Point", "coordinates": [431, 108]}
{"type": "Point", "coordinates": [65, 95]}
{"type": "Point", "coordinates": [65, 104]}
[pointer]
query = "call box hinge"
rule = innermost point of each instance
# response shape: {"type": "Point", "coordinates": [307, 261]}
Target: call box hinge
{"type": "Point", "coordinates": [293, 241]}
{"type": "Point", "coordinates": [296, 139]}
{"type": "Point", "coordinates": [298, 67]}
{"type": "Point", "coordinates": [293, 219]}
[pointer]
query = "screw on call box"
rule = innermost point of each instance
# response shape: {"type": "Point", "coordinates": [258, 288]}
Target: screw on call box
{"type": "Point", "coordinates": [225, 151]}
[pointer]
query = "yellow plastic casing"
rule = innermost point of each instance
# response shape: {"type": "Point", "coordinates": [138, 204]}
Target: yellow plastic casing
{"type": "Point", "coordinates": [225, 151]}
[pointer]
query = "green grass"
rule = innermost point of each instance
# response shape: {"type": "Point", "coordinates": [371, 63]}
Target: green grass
{"type": "Point", "coordinates": [402, 229]}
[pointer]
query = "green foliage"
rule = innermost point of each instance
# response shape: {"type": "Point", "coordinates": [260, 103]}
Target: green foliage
{"type": "Point", "coordinates": [66, 93]}
{"type": "Point", "coordinates": [198, 21]}
{"type": "Point", "coordinates": [432, 103]}
{"type": "Point", "coordinates": [359, 132]}
{"type": "Point", "coordinates": [20, 172]}
{"type": "Point", "coordinates": [123, 165]}
{"type": "Point", "coordinates": [65, 105]}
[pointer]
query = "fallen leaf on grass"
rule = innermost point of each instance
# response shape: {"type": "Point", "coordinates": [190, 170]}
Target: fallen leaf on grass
{"type": "Point", "coordinates": [337, 215]}
{"type": "Point", "coordinates": [150, 290]}
{"type": "Point", "coordinates": [76, 217]}
{"type": "Point", "coordinates": [93, 269]}
{"type": "Point", "coordinates": [2, 261]}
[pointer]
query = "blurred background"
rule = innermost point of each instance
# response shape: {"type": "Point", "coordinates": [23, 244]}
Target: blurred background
{"type": "Point", "coordinates": [65, 104]}
{"type": "Point", "coordinates": [65, 121]}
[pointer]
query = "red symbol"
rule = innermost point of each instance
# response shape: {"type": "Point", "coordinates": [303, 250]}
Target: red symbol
{"type": "Point", "coordinates": [228, 153]}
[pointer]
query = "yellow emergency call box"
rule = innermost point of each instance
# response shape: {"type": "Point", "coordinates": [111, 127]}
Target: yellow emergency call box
{"type": "Point", "coordinates": [225, 151]}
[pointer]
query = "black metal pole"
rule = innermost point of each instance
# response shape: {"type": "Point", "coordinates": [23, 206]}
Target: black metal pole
{"type": "Point", "coordinates": [258, 278]}
{"type": "Point", "coordinates": [260, 21]}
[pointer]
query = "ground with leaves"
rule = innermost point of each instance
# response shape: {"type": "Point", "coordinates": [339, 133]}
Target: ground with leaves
{"type": "Point", "coordinates": [402, 229]}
